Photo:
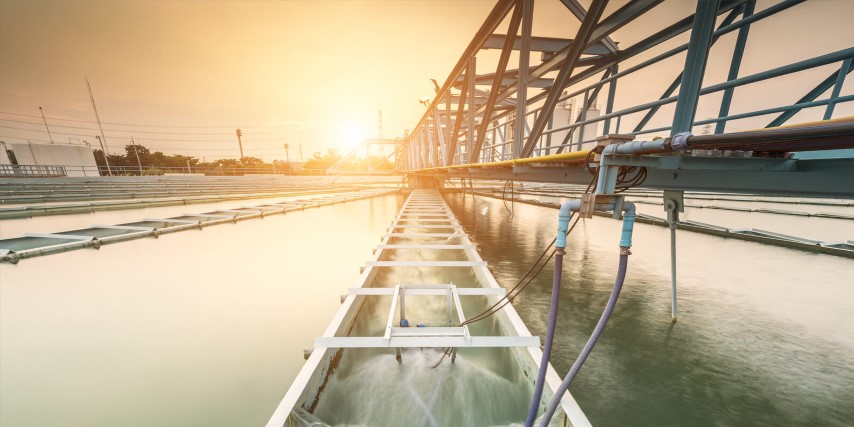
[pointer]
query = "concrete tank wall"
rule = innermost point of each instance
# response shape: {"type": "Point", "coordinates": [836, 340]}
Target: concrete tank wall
{"type": "Point", "coordinates": [71, 156]}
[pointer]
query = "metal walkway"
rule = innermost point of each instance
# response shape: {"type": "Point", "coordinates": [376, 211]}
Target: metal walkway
{"type": "Point", "coordinates": [36, 244]}
{"type": "Point", "coordinates": [423, 210]}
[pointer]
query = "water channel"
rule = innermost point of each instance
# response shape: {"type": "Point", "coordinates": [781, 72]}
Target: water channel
{"type": "Point", "coordinates": [207, 327]}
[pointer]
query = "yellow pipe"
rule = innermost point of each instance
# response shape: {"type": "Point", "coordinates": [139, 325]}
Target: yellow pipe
{"type": "Point", "coordinates": [581, 155]}
{"type": "Point", "coordinates": [552, 158]}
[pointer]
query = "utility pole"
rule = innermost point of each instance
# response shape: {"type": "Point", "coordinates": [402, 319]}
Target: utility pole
{"type": "Point", "coordinates": [300, 153]}
{"type": "Point", "coordinates": [133, 143]}
{"type": "Point", "coordinates": [103, 139]}
{"type": "Point", "coordinates": [239, 142]}
{"type": "Point", "coordinates": [45, 126]}
{"type": "Point", "coordinates": [104, 152]}
{"type": "Point", "coordinates": [381, 124]}
{"type": "Point", "coordinates": [287, 155]}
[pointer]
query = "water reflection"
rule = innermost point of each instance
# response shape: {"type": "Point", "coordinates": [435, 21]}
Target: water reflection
{"type": "Point", "coordinates": [764, 336]}
{"type": "Point", "coordinates": [196, 328]}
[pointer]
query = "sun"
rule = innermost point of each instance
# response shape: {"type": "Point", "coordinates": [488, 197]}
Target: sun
{"type": "Point", "coordinates": [351, 136]}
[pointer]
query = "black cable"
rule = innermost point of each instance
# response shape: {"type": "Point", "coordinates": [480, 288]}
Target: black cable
{"type": "Point", "coordinates": [509, 296]}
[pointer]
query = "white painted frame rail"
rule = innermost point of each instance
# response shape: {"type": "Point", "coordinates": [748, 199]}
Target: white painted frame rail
{"type": "Point", "coordinates": [422, 206]}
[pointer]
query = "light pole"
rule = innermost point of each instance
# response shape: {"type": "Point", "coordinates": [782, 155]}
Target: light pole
{"type": "Point", "coordinates": [240, 143]}
{"type": "Point", "coordinates": [104, 152]}
{"type": "Point", "coordinates": [45, 126]}
{"type": "Point", "coordinates": [139, 163]}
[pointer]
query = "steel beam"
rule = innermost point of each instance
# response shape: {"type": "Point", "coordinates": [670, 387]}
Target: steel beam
{"type": "Point", "coordinates": [522, 88]}
{"type": "Point", "coordinates": [811, 96]}
{"type": "Point", "coordinates": [583, 37]}
{"type": "Point", "coordinates": [735, 64]}
{"type": "Point", "coordinates": [834, 94]}
{"type": "Point", "coordinates": [541, 44]}
{"type": "Point", "coordinates": [763, 176]}
{"type": "Point", "coordinates": [675, 84]}
{"type": "Point", "coordinates": [695, 65]}
{"type": "Point", "coordinates": [507, 48]}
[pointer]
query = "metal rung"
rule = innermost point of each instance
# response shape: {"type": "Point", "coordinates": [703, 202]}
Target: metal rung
{"type": "Point", "coordinates": [411, 342]}
{"type": "Point", "coordinates": [214, 216]}
{"type": "Point", "coordinates": [123, 227]}
{"type": "Point", "coordinates": [424, 235]}
{"type": "Point", "coordinates": [177, 221]}
{"type": "Point", "coordinates": [441, 291]}
{"type": "Point", "coordinates": [443, 331]}
{"type": "Point", "coordinates": [428, 247]}
{"type": "Point", "coordinates": [427, 219]}
{"type": "Point", "coordinates": [441, 227]}
{"type": "Point", "coordinates": [60, 236]}
{"type": "Point", "coordinates": [237, 211]}
{"type": "Point", "coordinates": [426, 264]}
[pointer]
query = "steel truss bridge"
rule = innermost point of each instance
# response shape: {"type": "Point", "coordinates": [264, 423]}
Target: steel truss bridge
{"type": "Point", "coordinates": [535, 118]}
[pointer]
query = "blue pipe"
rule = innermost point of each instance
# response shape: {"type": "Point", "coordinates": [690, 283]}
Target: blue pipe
{"type": "Point", "coordinates": [564, 216]}
{"type": "Point", "coordinates": [566, 209]}
{"type": "Point", "coordinates": [625, 244]}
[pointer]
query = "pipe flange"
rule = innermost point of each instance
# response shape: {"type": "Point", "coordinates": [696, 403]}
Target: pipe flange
{"type": "Point", "coordinates": [679, 142]}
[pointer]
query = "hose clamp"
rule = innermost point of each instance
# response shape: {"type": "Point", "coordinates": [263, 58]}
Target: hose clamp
{"type": "Point", "coordinates": [679, 142]}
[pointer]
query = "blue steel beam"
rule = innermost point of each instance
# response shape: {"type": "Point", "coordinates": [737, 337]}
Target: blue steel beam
{"type": "Point", "coordinates": [582, 39]}
{"type": "Point", "coordinates": [672, 88]}
{"type": "Point", "coordinates": [807, 64]}
{"type": "Point", "coordinates": [768, 176]}
{"type": "Point", "coordinates": [695, 65]}
{"type": "Point", "coordinates": [504, 58]}
{"type": "Point", "coordinates": [810, 96]}
{"type": "Point", "coordinates": [735, 64]}
{"type": "Point", "coordinates": [834, 95]}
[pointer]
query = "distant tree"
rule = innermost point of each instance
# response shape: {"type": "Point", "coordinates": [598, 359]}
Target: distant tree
{"type": "Point", "coordinates": [251, 161]}
{"type": "Point", "coordinates": [227, 163]}
{"type": "Point", "coordinates": [323, 161]}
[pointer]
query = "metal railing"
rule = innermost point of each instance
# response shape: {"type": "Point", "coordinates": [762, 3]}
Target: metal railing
{"type": "Point", "coordinates": [44, 171]}
{"type": "Point", "coordinates": [32, 171]}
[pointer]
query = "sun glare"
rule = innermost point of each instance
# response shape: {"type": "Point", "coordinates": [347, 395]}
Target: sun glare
{"type": "Point", "coordinates": [350, 136]}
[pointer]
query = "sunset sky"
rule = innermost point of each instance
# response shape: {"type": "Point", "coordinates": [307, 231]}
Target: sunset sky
{"type": "Point", "coordinates": [291, 72]}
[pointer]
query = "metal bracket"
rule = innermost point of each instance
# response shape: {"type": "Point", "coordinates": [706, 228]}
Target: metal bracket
{"type": "Point", "coordinates": [606, 140]}
{"type": "Point", "coordinates": [588, 202]}
{"type": "Point", "coordinates": [673, 204]}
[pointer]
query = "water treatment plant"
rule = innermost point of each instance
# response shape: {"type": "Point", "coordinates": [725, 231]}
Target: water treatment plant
{"type": "Point", "coordinates": [646, 220]}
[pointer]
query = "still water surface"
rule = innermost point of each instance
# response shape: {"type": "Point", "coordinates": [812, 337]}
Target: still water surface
{"type": "Point", "coordinates": [765, 334]}
{"type": "Point", "coordinates": [194, 328]}
{"type": "Point", "coordinates": [207, 328]}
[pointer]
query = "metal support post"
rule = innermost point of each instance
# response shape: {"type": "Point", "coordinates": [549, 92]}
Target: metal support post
{"type": "Point", "coordinates": [612, 92]}
{"type": "Point", "coordinates": [402, 303]}
{"type": "Point", "coordinates": [522, 81]}
{"type": "Point", "coordinates": [840, 79]}
{"type": "Point", "coordinates": [695, 65]}
{"type": "Point", "coordinates": [673, 204]}
{"type": "Point", "coordinates": [471, 70]}
{"type": "Point", "coordinates": [584, 108]}
{"type": "Point", "coordinates": [737, 55]}
{"type": "Point", "coordinates": [440, 138]}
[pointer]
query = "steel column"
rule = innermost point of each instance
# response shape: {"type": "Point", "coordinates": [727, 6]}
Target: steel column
{"type": "Point", "coordinates": [810, 96]}
{"type": "Point", "coordinates": [581, 40]}
{"type": "Point", "coordinates": [522, 83]}
{"type": "Point", "coordinates": [737, 54]}
{"type": "Point", "coordinates": [695, 65]}
{"type": "Point", "coordinates": [612, 91]}
{"type": "Point", "coordinates": [840, 79]}
{"type": "Point", "coordinates": [472, 111]}
{"type": "Point", "coordinates": [506, 49]}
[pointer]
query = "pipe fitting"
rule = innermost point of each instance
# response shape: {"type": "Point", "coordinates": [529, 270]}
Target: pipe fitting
{"type": "Point", "coordinates": [628, 225]}
{"type": "Point", "coordinates": [679, 142]}
{"type": "Point", "coordinates": [565, 213]}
